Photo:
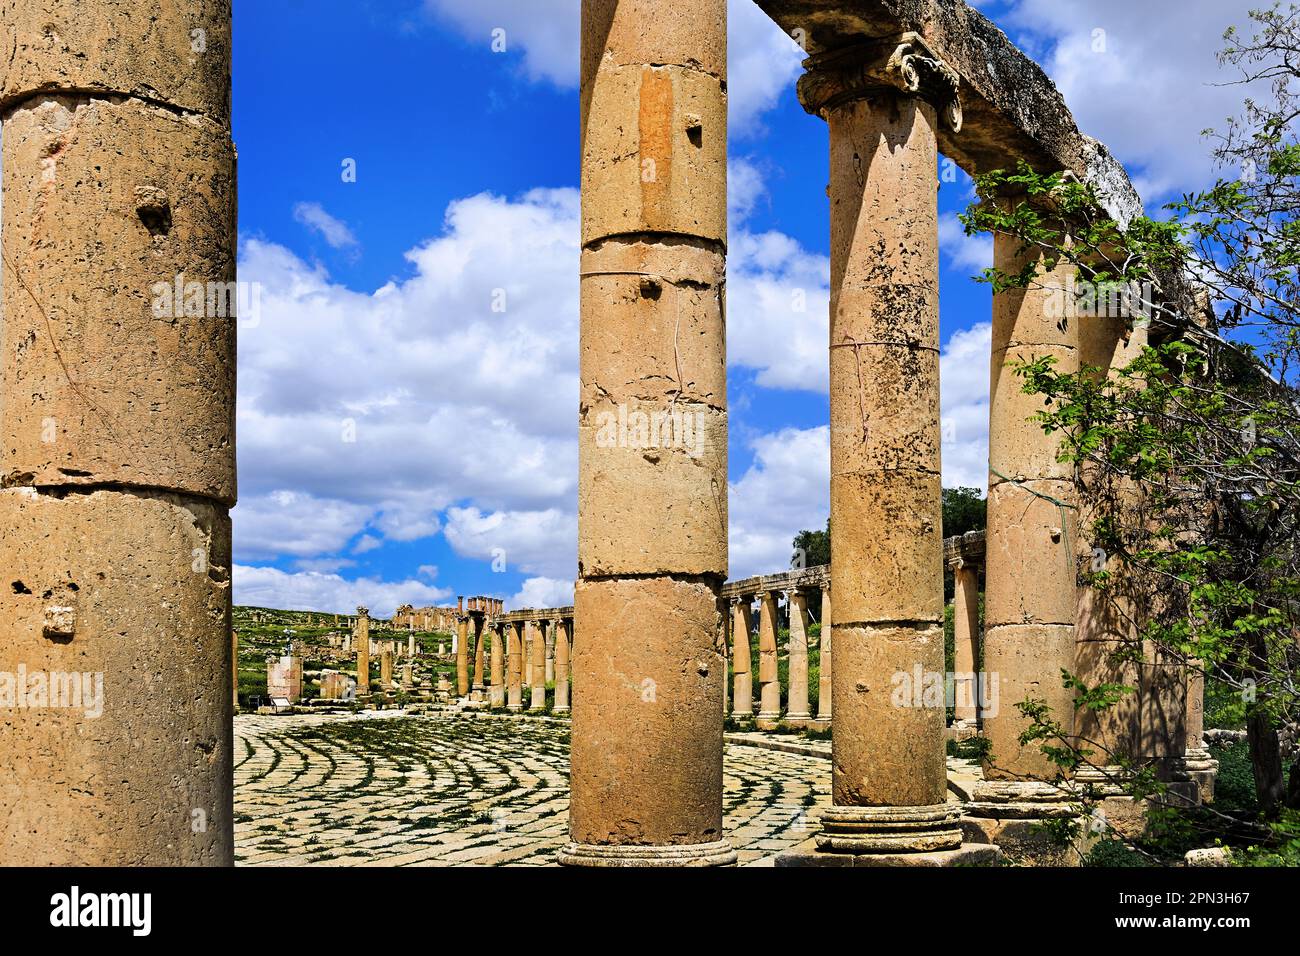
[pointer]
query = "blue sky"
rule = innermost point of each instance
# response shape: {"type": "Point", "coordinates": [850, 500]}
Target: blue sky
{"type": "Point", "coordinates": [401, 441]}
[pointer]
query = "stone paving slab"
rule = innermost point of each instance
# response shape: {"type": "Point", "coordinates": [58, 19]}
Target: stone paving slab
{"type": "Point", "coordinates": [445, 789]}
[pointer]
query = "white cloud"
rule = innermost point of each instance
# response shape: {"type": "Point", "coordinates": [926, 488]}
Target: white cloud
{"type": "Point", "coordinates": [329, 593]}
{"type": "Point", "coordinates": [785, 490]}
{"type": "Point", "coordinates": [763, 62]}
{"type": "Point", "coordinates": [542, 593]}
{"type": "Point", "coordinates": [964, 400]}
{"type": "Point", "coordinates": [535, 542]}
{"type": "Point", "coordinates": [295, 523]}
{"type": "Point", "coordinates": [333, 231]}
{"type": "Point", "coordinates": [969, 254]}
{"type": "Point", "coordinates": [1141, 77]}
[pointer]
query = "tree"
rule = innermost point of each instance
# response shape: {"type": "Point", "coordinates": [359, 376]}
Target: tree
{"type": "Point", "coordinates": [812, 548]}
{"type": "Point", "coordinates": [964, 509]}
{"type": "Point", "coordinates": [1189, 456]}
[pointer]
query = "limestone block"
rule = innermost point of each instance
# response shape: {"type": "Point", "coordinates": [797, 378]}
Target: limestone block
{"type": "Point", "coordinates": [633, 32]}
{"type": "Point", "coordinates": [173, 51]}
{"type": "Point", "coordinates": [885, 408]}
{"type": "Point", "coordinates": [898, 751]}
{"type": "Point", "coordinates": [653, 329]}
{"type": "Point", "coordinates": [654, 154]}
{"type": "Point", "coordinates": [1030, 564]}
{"type": "Point", "coordinates": [647, 716]}
{"type": "Point", "coordinates": [652, 510]}
{"type": "Point", "coordinates": [107, 378]}
{"type": "Point", "coordinates": [887, 552]}
{"type": "Point", "coordinates": [1022, 662]}
{"type": "Point", "coordinates": [1112, 731]}
{"type": "Point", "coordinates": [120, 784]}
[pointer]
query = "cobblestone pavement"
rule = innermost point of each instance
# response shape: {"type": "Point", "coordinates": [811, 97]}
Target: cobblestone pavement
{"type": "Point", "coordinates": [391, 790]}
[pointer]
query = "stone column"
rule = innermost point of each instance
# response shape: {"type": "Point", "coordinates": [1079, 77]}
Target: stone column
{"type": "Point", "coordinates": [882, 105]}
{"type": "Point", "coordinates": [117, 444]}
{"type": "Point", "coordinates": [797, 704]}
{"type": "Point", "coordinates": [824, 676]}
{"type": "Point", "coordinates": [529, 632]}
{"type": "Point", "coordinates": [497, 690]}
{"type": "Point", "coordinates": [462, 656]}
{"type": "Point", "coordinates": [1030, 573]}
{"type": "Point", "coordinates": [561, 666]}
{"type": "Point", "coordinates": [479, 637]}
{"type": "Point", "coordinates": [385, 669]}
{"type": "Point", "coordinates": [646, 781]}
{"type": "Point", "coordinates": [769, 680]}
{"type": "Point", "coordinates": [514, 687]}
{"type": "Point", "coordinates": [1197, 763]}
{"type": "Point", "coordinates": [742, 704]}
{"type": "Point", "coordinates": [538, 649]}
{"type": "Point", "coordinates": [548, 631]}
{"type": "Point", "coordinates": [410, 643]}
{"type": "Point", "coordinates": [361, 639]}
{"type": "Point", "coordinates": [965, 630]}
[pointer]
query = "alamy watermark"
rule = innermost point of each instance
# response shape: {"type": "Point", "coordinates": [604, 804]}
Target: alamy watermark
{"type": "Point", "coordinates": [1078, 298]}
{"type": "Point", "coordinates": [919, 688]}
{"type": "Point", "coordinates": [663, 428]}
{"type": "Point", "coordinates": [182, 299]}
{"type": "Point", "coordinates": [53, 690]}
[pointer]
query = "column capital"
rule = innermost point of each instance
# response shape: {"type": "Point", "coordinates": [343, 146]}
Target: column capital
{"type": "Point", "coordinates": [904, 63]}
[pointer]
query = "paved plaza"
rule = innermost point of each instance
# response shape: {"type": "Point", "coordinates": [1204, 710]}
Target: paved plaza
{"type": "Point", "coordinates": [450, 789]}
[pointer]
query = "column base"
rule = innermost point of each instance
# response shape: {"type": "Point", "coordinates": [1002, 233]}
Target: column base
{"type": "Point", "coordinates": [1010, 814]}
{"type": "Point", "coordinates": [697, 854]}
{"type": "Point", "coordinates": [806, 715]}
{"type": "Point", "coordinates": [859, 830]}
{"type": "Point", "coordinates": [515, 708]}
{"type": "Point", "coordinates": [496, 698]}
{"type": "Point", "coordinates": [967, 854]}
{"type": "Point", "coordinates": [560, 709]}
{"type": "Point", "coordinates": [1202, 769]}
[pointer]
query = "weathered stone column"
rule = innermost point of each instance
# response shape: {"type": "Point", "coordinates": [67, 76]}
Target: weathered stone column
{"type": "Point", "coordinates": [1030, 572]}
{"type": "Point", "coordinates": [478, 689]}
{"type": "Point", "coordinates": [515, 668]}
{"type": "Point", "coordinates": [497, 690]}
{"type": "Point", "coordinates": [386, 669]}
{"type": "Point", "coordinates": [824, 672]}
{"type": "Point", "coordinates": [561, 666]}
{"type": "Point", "coordinates": [548, 632]}
{"type": "Point", "coordinates": [462, 655]}
{"type": "Point", "coordinates": [538, 685]}
{"type": "Point", "coordinates": [769, 680]}
{"type": "Point", "coordinates": [965, 630]}
{"type": "Point", "coordinates": [742, 704]}
{"type": "Point", "coordinates": [361, 638]}
{"type": "Point", "coordinates": [647, 735]}
{"type": "Point", "coordinates": [882, 104]}
{"type": "Point", "coordinates": [797, 703]}
{"type": "Point", "coordinates": [1197, 763]}
{"type": "Point", "coordinates": [410, 643]}
{"type": "Point", "coordinates": [117, 443]}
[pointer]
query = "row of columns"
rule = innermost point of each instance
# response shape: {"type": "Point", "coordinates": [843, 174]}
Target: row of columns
{"type": "Point", "coordinates": [741, 627]}
{"type": "Point", "coordinates": [529, 654]}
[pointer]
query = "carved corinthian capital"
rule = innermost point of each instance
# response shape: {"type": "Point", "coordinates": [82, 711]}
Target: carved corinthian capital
{"type": "Point", "coordinates": [905, 63]}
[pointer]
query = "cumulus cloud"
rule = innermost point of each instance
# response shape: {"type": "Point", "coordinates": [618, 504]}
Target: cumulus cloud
{"type": "Point", "coordinates": [762, 61]}
{"type": "Point", "coordinates": [1141, 77]}
{"type": "Point", "coordinates": [333, 231]}
{"type": "Point", "coordinates": [535, 542]}
{"type": "Point", "coordinates": [329, 593]}
{"type": "Point", "coordinates": [969, 254]}
{"type": "Point", "coordinates": [964, 400]}
{"type": "Point", "coordinates": [541, 592]}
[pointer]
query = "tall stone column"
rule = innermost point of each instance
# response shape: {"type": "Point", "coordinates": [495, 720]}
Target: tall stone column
{"type": "Point", "coordinates": [1197, 763]}
{"type": "Point", "coordinates": [410, 643]}
{"type": "Point", "coordinates": [462, 655]}
{"type": "Point", "coordinates": [548, 631]}
{"type": "Point", "coordinates": [824, 672]}
{"type": "Point", "coordinates": [882, 104]}
{"type": "Point", "coordinates": [515, 670]}
{"type": "Point", "coordinates": [769, 679]}
{"type": "Point", "coordinates": [1030, 574]}
{"type": "Point", "coordinates": [497, 689]}
{"type": "Point", "coordinates": [742, 704]}
{"type": "Point", "coordinates": [646, 781]}
{"type": "Point", "coordinates": [386, 669]}
{"type": "Point", "coordinates": [539, 666]}
{"type": "Point", "coordinates": [117, 430]}
{"type": "Point", "coordinates": [561, 666]}
{"type": "Point", "coordinates": [361, 638]}
{"type": "Point", "coordinates": [479, 637]}
{"type": "Point", "coordinates": [965, 630]}
{"type": "Point", "coordinates": [797, 704]}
